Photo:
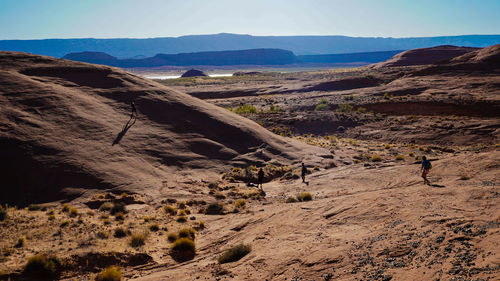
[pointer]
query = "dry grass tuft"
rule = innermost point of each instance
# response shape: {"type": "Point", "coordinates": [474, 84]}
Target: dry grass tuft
{"type": "Point", "coordinates": [170, 210]}
{"type": "Point", "coordinates": [181, 219]}
{"type": "Point", "coordinates": [73, 212]}
{"type": "Point", "coordinates": [137, 240]}
{"type": "Point", "coordinates": [183, 249]}
{"type": "Point", "coordinates": [20, 242]}
{"type": "Point", "coordinates": [172, 236]}
{"type": "Point", "coordinates": [304, 196]}
{"type": "Point", "coordinates": [215, 208]}
{"type": "Point", "coordinates": [187, 233]}
{"type": "Point", "coordinates": [42, 265]}
{"type": "Point", "coordinates": [234, 254]}
{"type": "Point", "coordinates": [154, 227]}
{"type": "Point", "coordinates": [120, 232]}
{"type": "Point", "coordinates": [111, 273]}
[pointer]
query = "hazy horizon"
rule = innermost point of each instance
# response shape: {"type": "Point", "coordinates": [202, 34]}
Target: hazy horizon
{"type": "Point", "coordinates": [57, 19]}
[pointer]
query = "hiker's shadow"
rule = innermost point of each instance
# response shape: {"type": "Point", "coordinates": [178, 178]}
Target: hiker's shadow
{"type": "Point", "coordinates": [124, 130]}
{"type": "Point", "coordinates": [437, 185]}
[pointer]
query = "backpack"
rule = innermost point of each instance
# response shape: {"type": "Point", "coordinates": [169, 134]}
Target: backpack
{"type": "Point", "coordinates": [427, 165]}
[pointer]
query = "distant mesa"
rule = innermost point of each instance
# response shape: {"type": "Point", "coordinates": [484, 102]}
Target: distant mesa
{"type": "Point", "coordinates": [425, 56]}
{"type": "Point", "coordinates": [193, 73]}
{"type": "Point", "coordinates": [92, 57]}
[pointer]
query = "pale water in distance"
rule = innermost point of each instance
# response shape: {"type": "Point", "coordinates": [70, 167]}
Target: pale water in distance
{"type": "Point", "coordinates": [163, 77]}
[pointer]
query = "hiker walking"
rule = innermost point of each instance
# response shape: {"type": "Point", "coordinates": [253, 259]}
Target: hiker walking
{"type": "Point", "coordinates": [134, 110]}
{"type": "Point", "coordinates": [260, 178]}
{"type": "Point", "coordinates": [426, 166]}
{"type": "Point", "coordinates": [304, 171]}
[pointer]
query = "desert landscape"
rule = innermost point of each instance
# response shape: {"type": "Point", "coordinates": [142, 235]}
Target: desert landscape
{"type": "Point", "coordinates": [170, 192]}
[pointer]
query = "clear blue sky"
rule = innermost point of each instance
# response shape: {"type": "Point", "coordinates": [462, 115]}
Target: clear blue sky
{"type": "Point", "coordinates": [38, 19]}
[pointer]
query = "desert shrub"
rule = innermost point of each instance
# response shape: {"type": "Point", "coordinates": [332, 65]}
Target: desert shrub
{"type": "Point", "coordinates": [387, 146]}
{"type": "Point", "coordinates": [102, 235]}
{"type": "Point", "coordinates": [376, 158]}
{"type": "Point", "coordinates": [290, 200]}
{"type": "Point", "coordinates": [118, 207]}
{"type": "Point", "coordinates": [106, 206]}
{"type": "Point", "coordinates": [64, 223]}
{"type": "Point", "coordinates": [106, 221]}
{"type": "Point", "coordinates": [304, 196]}
{"type": "Point", "coordinates": [120, 232]}
{"type": "Point", "coordinates": [170, 210]}
{"type": "Point", "coordinates": [183, 249]}
{"type": "Point", "coordinates": [330, 165]}
{"type": "Point", "coordinates": [73, 212]}
{"type": "Point", "coordinates": [345, 107]}
{"type": "Point", "coordinates": [187, 233]}
{"type": "Point", "coordinates": [20, 242]}
{"type": "Point", "coordinates": [111, 273]}
{"type": "Point", "coordinates": [154, 227]}
{"type": "Point", "coordinates": [172, 236]}
{"type": "Point", "coordinates": [411, 154]}
{"type": "Point", "coordinates": [65, 208]}
{"type": "Point", "coordinates": [199, 225]}
{"type": "Point", "coordinates": [215, 208]}
{"type": "Point", "coordinates": [464, 177]}
{"type": "Point", "coordinates": [119, 216]}
{"type": "Point", "coordinates": [234, 254]}
{"type": "Point", "coordinates": [400, 158]}
{"type": "Point", "coordinates": [181, 219]}
{"type": "Point", "coordinates": [34, 207]}
{"type": "Point", "coordinates": [274, 109]}
{"type": "Point", "coordinates": [181, 213]}
{"type": "Point", "coordinates": [240, 203]}
{"type": "Point", "coordinates": [245, 109]}
{"type": "Point", "coordinates": [147, 219]}
{"type": "Point", "coordinates": [181, 205]}
{"type": "Point", "coordinates": [322, 105]}
{"type": "Point", "coordinates": [219, 195]}
{"type": "Point", "coordinates": [3, 213]}
{"type": "Point", "coordinates": [137, 240]}
{"type": "Point", "coordinates": [42, 265]}
{"type": "Point", "coordinates": [52, 217]}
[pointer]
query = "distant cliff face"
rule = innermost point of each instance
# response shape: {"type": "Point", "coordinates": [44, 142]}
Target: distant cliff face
{"type": "Point", "coordinates": [242, 57]}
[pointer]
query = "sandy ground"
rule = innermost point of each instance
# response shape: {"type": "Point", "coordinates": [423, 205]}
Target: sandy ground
{"type": "Point", "coordinates": [371, 217]}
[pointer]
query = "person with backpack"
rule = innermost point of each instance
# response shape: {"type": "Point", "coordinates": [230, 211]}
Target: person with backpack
{"type": "Point", "coordinates": [303, 174]}
{"type": "Point", "coordinates": [260, 178]}
{"type": "Point", "coordinates": [426, 166]}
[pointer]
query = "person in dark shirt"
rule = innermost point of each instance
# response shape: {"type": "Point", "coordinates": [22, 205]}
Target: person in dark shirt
{"type": "Point", "coordinates": [260, 178]}
{"type": "Point", "coordinates": [304, 171]}
{"type": "Point", "coordinates": [426, 167]}
{"type": "Point", "coordinates": [134, 110]}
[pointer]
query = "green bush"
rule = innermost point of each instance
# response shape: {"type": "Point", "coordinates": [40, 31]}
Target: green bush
{"type": "Point", "coordinates": [111, 273]}
{"type": "Point", "coordinates": [245, 109]}
{"type": "Point", "coordinates": [183, 249]}
{"type": "Point", "coordinates": [400, 158]}
{"type": "Point", "coordinates": [322, 105]}
{"type": "Point", "coordinates": [304, 196]}
{"type": "Point", "coordinates": [42, 265]}
{"type": "Point", "coordinates": [345, 107]}
{"type": "Point", "coordinates": [182, 219]}
{"type": "Point", "coordinates": [234, 254]}
{"type": "Point", "coordinates": [376, 158]}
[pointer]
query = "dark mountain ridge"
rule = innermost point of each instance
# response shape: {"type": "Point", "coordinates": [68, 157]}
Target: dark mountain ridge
{"type": "Point", "coordinates": [300, 45]}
